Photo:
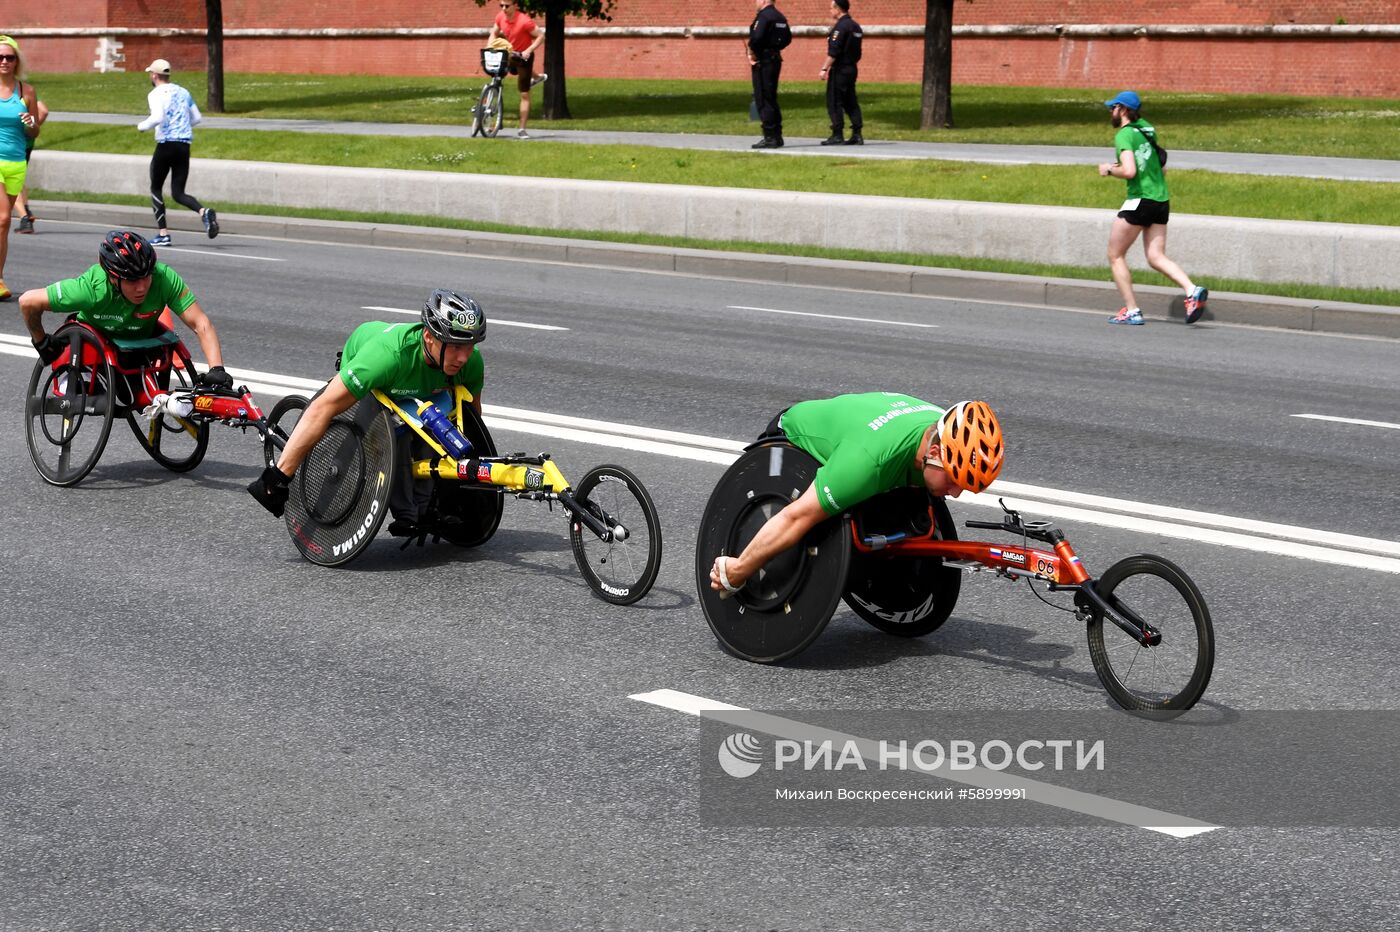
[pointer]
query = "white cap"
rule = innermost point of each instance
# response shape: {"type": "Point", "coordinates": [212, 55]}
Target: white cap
{"type": "Point", "coordinates": [159, 66]}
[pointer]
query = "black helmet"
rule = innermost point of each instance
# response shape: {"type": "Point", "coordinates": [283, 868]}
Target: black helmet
{"type": "Point", "coordinates": [126, 255]}
{"type": "Point", "coordinates": [453, 318]}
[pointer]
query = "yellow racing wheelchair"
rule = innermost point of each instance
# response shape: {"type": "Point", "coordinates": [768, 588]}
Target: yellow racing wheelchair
{"type": "Point", "coordinates": [339, 497]}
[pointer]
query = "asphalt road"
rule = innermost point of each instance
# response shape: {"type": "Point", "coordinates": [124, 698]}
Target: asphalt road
{"type": "Point", "coordinates": [199, 730]}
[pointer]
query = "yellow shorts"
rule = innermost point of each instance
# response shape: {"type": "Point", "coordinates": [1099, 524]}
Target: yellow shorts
{"type": "Point", "coordinates": [12, 174]}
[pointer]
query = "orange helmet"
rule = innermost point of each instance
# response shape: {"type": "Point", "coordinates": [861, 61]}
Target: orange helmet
{"type": "Point", "coordinates": [972, 446]}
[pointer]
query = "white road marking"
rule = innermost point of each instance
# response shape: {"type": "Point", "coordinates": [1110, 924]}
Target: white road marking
{"type": "Point", "coordinates": [1102, 807]}
{"type": "Point", "coordinates": [491, 320]}
{"type": "Point", "coordinates": [225, 255]}
{"type": "Point", "coordinates": [1347, 420]}
{"type": "Point", "coordinates": [1143, 517]}
{"type": "Point", "coordinates": [860, 320]}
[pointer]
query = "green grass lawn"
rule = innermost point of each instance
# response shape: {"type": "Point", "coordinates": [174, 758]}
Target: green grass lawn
{"type": "Point", "coordinates": [1290, 125]}
{"type": "Point", "coordinates": [1195, 192]}
{"type": "Point", "coordinates": [1355, 127]}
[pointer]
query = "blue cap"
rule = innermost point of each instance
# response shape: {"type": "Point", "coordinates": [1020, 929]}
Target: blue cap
{"type": "Point", "coordinates": [1129, 99]}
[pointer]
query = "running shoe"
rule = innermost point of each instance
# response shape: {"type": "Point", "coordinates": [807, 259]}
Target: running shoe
{"type": "Point", "coordinates": [4, 292]}
{"type": "Point", "coordinates": [539, 79]}
{"type": "Point", "coordinates": [211, 222]}
{"type": "Point", "coordinates": [161, 240]}
{"type": "Point", "coordinates": [1126, 316]}
{"type": "Point", "coordinates": [522, 135]}
{"type": "Point", "coordinates": [1196, 304]}
{"type": "Point", "coordinates": [26, 224]}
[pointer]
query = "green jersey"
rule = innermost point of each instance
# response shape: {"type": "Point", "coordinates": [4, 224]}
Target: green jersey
{"type": "Point", "coordinates": [389, 357]}
{"type": "Point", "coordinates": [99, 302]}
{"type": "Point", "coordinates": [866, 443]}
{"type": "Point", "coordinates": [1150, 181]}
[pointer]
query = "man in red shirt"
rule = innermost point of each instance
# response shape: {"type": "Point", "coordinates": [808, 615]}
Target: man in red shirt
{"type": "Point", "coordinates": [520, 31]}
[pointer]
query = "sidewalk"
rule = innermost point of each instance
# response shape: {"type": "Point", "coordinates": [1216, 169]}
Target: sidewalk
{"type": "Point", "coordinates": [1382, 170]}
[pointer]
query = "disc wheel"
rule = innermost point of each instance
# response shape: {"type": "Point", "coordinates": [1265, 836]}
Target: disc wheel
{"type": "Point", "coordinates": [69, 409]}
{"type": "Point", "coordinates": [177, 443]}
{"type": "Point", "coordinates": [620, 570]}
{"type": "Point", "coordinates": [488, 110]}
{"type": "Point", "coordinates": [783, 607]}
{"type": "Point", "coordinates": [906, 596]}
{"type": "Point", "coordinates": [1166, 679]}
{"type": "Point", "coordinates": [339, 496]}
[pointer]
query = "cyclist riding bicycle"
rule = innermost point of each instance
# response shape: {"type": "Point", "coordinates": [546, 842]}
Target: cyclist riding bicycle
{"type": "Point", "coordinates": [406, 361]}
{"type": "Point", "coordinates": [867, 444]}
{"type": "Point", "coordinates": [122, 296]}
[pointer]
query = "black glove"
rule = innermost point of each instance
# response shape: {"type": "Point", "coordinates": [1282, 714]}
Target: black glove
{"type": "Point", "coordinates": [270, 489]}
{"type": "Point", "coordinates": [49, 349]}
{"type": "Point", "coordinates": [216, 377]}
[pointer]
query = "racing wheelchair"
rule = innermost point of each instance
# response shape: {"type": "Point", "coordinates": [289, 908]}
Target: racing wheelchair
{"type": "Point", "coordinates": [72, 402]}
{"type": "Point", "coordinates": [339, 496]}
{"type": "Point", "coordinates": [897, 562]}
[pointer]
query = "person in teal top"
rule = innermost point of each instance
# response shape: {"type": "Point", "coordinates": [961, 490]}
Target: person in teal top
{"type": "Point", "coordinates": [1138, 160]}
{"type": "Point", "coordinates": [866, 444]}
{"type": "Point", "coordinates": [123, 296]}
{"type": "Point", "coordinates": [405, 361]}
{"type": "Point", "coordinates": [18, 125]}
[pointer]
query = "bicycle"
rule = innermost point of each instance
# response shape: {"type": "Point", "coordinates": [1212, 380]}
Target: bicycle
{"type": "Point", "coordinates": [486, 115]}
{"type": "Point", "coordinates": [73, 401]}
{"type": "Point", "coordinates": [339, 496]}
{"type": "Point", "coordinates": [1151, 640]}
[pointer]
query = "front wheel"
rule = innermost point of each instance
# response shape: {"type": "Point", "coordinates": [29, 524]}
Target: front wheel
{"type": "Point", "coordinates": [1171, 677]}
{"type": "Point", "coordinates": [488, 110]}
{"type": "Point", "coordinates": [619, 571]}
{"type": "Point", "coordinates": [281, 421]}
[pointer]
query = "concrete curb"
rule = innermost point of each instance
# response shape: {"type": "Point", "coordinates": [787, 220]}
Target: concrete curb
{"type": "Point", "coordinates": [1157, 303]}
{"type": "Point", "coordinates": [1210, 247]}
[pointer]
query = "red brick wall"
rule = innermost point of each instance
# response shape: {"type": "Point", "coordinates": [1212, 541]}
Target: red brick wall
{"type": "Point", "coordinates": [1359, 67]}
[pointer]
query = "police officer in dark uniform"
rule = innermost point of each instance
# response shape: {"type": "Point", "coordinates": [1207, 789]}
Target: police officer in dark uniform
{"type": "Point", "coordinates": [842, 53]}
{"type": "Point", "coordinates": [768, 36]}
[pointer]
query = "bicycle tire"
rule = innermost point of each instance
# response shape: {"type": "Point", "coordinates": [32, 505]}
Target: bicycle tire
{"type": "Point", "coordinates": [152, 435]}
{"type": "Point", "coordinates": [85, 389]}
{"type": "Point", "coordinates": [490, 109]}
{"type": "Point", "coordinates": [1117, 656]}
{"type": "Point", "coordinates": [617, 496]}
{"type": "Point", "coordinates": [906, 596]}
{"type": "Point", "coordinates": [281, 421]}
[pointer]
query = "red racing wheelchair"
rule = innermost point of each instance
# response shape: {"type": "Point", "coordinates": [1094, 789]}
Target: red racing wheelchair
{"type": "Point", "coordinates": [72, 402]}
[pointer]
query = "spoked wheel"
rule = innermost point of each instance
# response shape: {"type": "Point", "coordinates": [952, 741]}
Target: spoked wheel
{"type": "Point", "coordinates": [905, 596]}
{"type": "Point", "coordinates": [69, 410]}
{"type": "Point", "coordinates": [623, 570]}
{"type": "Point", "coordinates": [488, 109]}
{"type": "Point", "coordinates": [177, 443]}
{"type": "Point", "coordinates": [281, 421]}
{"type": "Point", "coordinates": [1166, 679]}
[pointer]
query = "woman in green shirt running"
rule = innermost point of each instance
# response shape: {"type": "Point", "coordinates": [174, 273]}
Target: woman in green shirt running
{"type": "Point", "coordinates": [1144, 212]}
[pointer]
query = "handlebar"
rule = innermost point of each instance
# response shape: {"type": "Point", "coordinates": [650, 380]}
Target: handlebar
{"type": "Point", "coordinates": [1035, 530]}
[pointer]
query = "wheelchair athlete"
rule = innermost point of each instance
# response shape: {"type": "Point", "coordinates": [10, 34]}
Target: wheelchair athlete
{"type": "Point", "coordinates": [868, 444]}
{"type": "Point", "coordinates": [122, 296]}
{"type": "Point", "coordinates": [405, 361]}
